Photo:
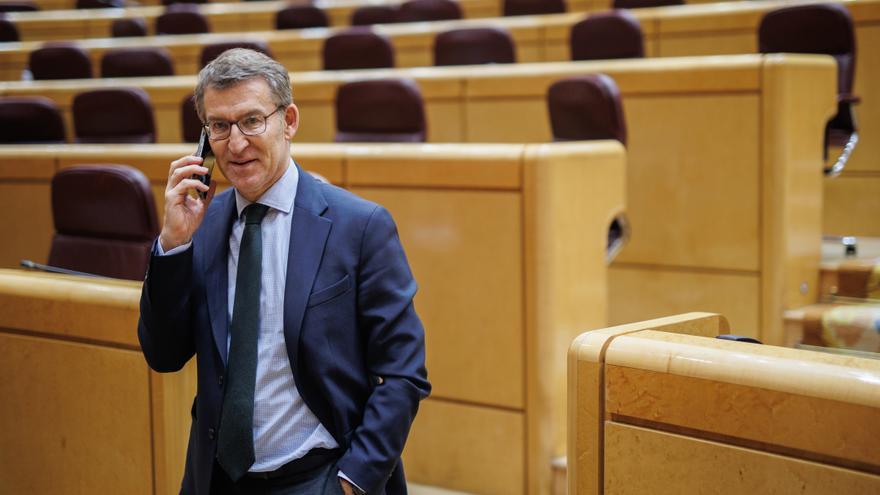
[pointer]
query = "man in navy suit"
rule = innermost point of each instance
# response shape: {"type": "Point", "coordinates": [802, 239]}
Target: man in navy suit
{"type": "Point", "coordinates": [295, 296]}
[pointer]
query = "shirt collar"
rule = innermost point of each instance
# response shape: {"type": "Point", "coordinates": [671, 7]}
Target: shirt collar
{"type": "Point", "coordinates": [279, 196]}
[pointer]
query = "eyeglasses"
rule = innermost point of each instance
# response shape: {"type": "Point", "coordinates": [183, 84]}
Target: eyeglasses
{"type": "Point", "coordinates": [252, 125]}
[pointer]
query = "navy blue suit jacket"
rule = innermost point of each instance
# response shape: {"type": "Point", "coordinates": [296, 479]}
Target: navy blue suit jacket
{"type": "Point", "coordinates": [355, 343]}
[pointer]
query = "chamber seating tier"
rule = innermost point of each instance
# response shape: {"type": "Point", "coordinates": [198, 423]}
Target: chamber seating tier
{"type": "Point", "coordinates": [223, 17]}
{"type": "Point", "coordinates": [503, 240]}
{"type": "Point", "coordinates": [706, 29]}
{"type": "Point", "coordinates": [661, 407]}
{"type": "Point", "coordinates": [724, 161]}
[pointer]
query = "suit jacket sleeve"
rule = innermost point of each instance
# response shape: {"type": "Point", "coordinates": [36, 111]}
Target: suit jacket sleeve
{"type": "Point", "coordinates": [164, 328]}
{"type": "Point", "coordinates": [395, 355]}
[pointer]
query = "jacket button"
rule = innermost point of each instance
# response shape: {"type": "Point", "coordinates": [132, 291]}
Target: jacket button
{"type": "Point", "coordinates": [220, 380]}
{"type": "Point", "coordinates": [211, 433]}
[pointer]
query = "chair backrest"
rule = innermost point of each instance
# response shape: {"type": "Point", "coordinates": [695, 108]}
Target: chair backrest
{"type": "Point", "coordinates": [120, 115]}
{"type": "Point", "coordinates": [585, 108]}
{"type": "Point", "coordinates": [30, 119]}
{"type": "Point", "coordinates": [19, 6]}
{"type": "Point", "coordinates": [381, 110]}
{"type": "Point", "coordinates": [301, 17]}
{"type": "Point", "coordinates": [125, 28]}
{"type": "Point", "coordinates": [374, 14]}
{"type": "Point", "coordinates": [474, 46]}
{"type": "Point", "coordinates": [429, 10]}
{"type": "Point", "coordinates": [533, 7]}
{"type": "Point", "coordinates": [190, 124]}
{"type": "Point", "coordinates": [607, 35]}
{"type": "Point", "coordinates": [818, 28]}
{"type": "Point", "coordinates": [105, 220]}
{"type": "Point", "coordinates": [99, 4]}
{"type": "Point", "coordinates": [181, 20]}
{"type": "Point", "coordinates": [58, 60]}
{"type": "Point", "coordinates": [638, 4]}
{"type": "Point", "coordinates": [212, 51]}
{"type": "Point", "coordinates": [137, 62]}
{"type": "Point", "coordinates": [8, 31]}
{"type": "Point", "coordinates": [357, 48]}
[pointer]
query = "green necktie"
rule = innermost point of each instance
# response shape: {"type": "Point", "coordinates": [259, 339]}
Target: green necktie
{"type": "Point", "coordinates": [235, 443]}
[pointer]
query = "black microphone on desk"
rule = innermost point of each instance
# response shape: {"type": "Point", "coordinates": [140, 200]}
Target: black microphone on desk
{"type": "Point", "coordinates": [53, 269]}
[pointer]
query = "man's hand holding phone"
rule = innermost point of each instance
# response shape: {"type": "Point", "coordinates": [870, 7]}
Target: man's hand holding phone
{"type": "Point", "coordinates": [187, 195]}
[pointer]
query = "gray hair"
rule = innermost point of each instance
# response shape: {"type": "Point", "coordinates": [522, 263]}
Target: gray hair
{"type": "Point", "coordinates": [238, 65]}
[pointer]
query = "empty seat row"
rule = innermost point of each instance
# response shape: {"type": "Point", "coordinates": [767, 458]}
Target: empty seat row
{"type": "Point", "coordinates": [381, 110]}
{"type": "Point", "coordinates": [102, 116]}
{"type": "Point", "coordinates": [62, 60]}
{"type": "Point", "coordinates": [600, 36]}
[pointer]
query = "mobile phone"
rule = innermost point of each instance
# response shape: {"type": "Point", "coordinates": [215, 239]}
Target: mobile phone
{"type": "Point", "coordinates": [204, 151]}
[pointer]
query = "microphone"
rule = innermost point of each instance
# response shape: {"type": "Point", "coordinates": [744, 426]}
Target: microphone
{"type": "Point", "coordinates": [54, 269]}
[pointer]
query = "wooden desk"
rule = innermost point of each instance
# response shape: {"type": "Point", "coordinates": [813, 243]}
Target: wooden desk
{"type": "Point", "coordinates": [82, 412]}
{"type": "Point", "coordinates": [657, 407]}
{"type": "Point", "coordinates": [724, 166]}
{"type": "Point", "coordinates": [502, 239]}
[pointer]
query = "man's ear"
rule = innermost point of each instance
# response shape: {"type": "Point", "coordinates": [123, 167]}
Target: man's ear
{"type": "Point", "coordinates": [291, 118]}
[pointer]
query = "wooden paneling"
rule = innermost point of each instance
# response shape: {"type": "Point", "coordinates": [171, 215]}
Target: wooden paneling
{"type": "Point", "coordinates": [461, 244]}
{"type": "Point", "coordinates": [76, 418]}
{"type": "Point", "coordinates": [640, 293]}
{"type": "Point", "coordinates": [715, 224]}
{"type": "Point", "coordinates": [852, 205]}
{"type": "Point", "coordinates": [640, 460]}
{"type": "Point", "coordinates": [467, 448]}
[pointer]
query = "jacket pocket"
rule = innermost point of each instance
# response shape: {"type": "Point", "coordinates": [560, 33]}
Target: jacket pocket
{"type": "Point", "coordinates": [329, 292]}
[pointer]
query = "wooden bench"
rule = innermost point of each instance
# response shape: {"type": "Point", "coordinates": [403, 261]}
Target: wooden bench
{"type": "Point", "coordinates": [503, 240]}
{"type": "Point", "coordinates": [661, 407]}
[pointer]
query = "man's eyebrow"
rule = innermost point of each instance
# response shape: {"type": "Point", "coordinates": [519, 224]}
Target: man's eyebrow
{"type": "Point", "coordinates": [249, 113]}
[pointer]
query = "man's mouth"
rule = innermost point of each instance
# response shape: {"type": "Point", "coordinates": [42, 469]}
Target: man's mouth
{"type": "Point", "coordinates": [241, 163]}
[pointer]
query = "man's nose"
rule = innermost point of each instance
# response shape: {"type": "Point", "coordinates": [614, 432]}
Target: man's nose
{"type": "Point", "coordinates": [237, 140]}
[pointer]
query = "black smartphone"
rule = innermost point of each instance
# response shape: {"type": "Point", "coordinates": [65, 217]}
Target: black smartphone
{"type": "Point", "coordinates": [204, 151]}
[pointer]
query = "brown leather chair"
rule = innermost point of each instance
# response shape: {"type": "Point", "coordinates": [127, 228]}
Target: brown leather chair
{"type": "Point", "coordinates": [126, 28]}
{"type": "Point", "coordinates": [30, 119]}
{"type": "Point", "coordinates": [212, 51]}
{"type": "Point", "coordinates": [380, 111]}
{"type": "Point", "coordinates": [19, 6]}
{"type": "Point", "coordinates": [585, 108]}
{"type": "Point", "coordinates": [823, 29]}
{"type": "Point", "coordinates": [357, 48]}
{"type": "Point", "coordinates": [301, 17]}
{"type": "Point", "coordinates": [638, 4]}
{"type": "Point", "coordinates": [182, 18]}
{"type": "Point", "coordinates": [428, 10]}
{"type": "Point", "coordinates": [374, 14]}
{"type": "Point", "coordinates": [607, 35]}
{"type": "Point", "coordinates": [8, 31]}
{"type": "Point", "coordinates": [121, 115]}
{"type": "Point", "coordinates": [137, 62]}
{"type": "Point", "coordinates": [474, 46]}
{"type": "Point", "coordinates": [60, 60]}
{"type": "Point", "coordinates": [99, 4]}
{"type": "Point", "coordinates": [190, 124]}
{"type": "Point", "coordinates": [533, 7]}
{"type": "Point", "coordinates": [105, 221]}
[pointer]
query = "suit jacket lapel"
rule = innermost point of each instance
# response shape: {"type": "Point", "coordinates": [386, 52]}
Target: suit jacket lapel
{"type": "Point", "coordinates": [217, 227]}
{"type": "Point", "coordinates": [308, 235]}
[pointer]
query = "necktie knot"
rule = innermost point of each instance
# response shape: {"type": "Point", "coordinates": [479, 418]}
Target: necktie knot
{"type": "Point", "coordinates": [254, 213]}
